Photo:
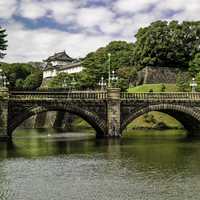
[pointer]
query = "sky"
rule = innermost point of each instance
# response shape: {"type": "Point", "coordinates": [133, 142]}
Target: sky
{"type": "Point", "coordinates": [38, 28]}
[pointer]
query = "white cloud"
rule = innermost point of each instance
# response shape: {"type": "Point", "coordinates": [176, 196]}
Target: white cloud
{"type": "Point", "coordinates": [7, 8]}
{"type": "Point", "coordinates": [26, 45]}
{"type": "Point", "coordinates": [89, 17]}
{"type": "Point", "coordinates": [132, 5]}
{"type": "Point", "coordinates": [61, 10]}
{"type": "Point", "coordinates": [111, 27]}
{"type": "Point", "coordinates": [32, 9]}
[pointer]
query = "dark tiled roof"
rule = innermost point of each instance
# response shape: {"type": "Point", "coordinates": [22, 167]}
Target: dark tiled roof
{"type": "Point", "coordinates": [61, 56]}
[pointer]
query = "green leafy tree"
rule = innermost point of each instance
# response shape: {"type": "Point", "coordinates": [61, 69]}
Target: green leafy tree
{"type": "Point", "coordinates": [197, 78]}
{"type": "Point", "coordinates": [22, 76]}
{"type": "Point", "coordinates": [195, 65]}
{"type": "Point", "coordinates": [33, 81]}
{"type": "Point", "coordinates": [65, 80]}
{"type": "Point", "coordinates": [129, 74]}
{"type": "Point", "coordinates": [167, 44]}
{"type": "Point", "coordinates": [163, 87]}
{"type": "Point", "coordinates": [3, 42]}
{"type": "Point", "coordinates": [183, 82]}
{"type": "Point", "coordinates": [96, 63]}
{"type": "Point", "coordinates": [150, 90]}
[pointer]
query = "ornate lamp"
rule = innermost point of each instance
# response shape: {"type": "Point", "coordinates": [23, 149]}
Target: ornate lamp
{"type": "Point", "coordinates": [3, 80]}
{"type": "Point", "coordinates": [64, 84]}
{"type": "Point", "coordinates": [73, 83]}
{"type": "Point", "coordinates": [114, 78]}
{"type": "Point", "coordinates": [101, 83]}
{"type": "Point", "coordinates": [193, 85]}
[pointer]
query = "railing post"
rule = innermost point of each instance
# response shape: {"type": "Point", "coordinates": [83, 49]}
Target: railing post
{"type": "Point", "coordinates": [113, 112]}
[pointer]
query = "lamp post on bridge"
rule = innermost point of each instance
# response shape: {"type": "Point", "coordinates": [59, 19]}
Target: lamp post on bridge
{"type": "Point", "coordinates": [193, 85]}
{"type": "Point", "coordinates": [73, 83]}
{"type": "Point", "coordinates": [102, 84]}
{"type": "Point", "coordinates": [64, 84]}
{"type": "Point", "coordinates": [109, 78]}
{"type": "Point", "coordinates": [4, 83]}
{"type": "Point", "coordinates": [114, 78]}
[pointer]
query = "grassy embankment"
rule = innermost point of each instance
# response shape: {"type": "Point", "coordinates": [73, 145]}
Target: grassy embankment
{"type": "Point", "coordinates": [154, 87]}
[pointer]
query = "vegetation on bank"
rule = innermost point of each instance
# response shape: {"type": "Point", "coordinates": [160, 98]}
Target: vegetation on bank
{"type": "Point", "coordinates": [154, 133]}
{"type": "Point", "coordinates": [155, 120]}
{"type": "Point", "coordinates": [152, 120]}
{"type": "Point", "coordinates": [154, 88]}
{"type": "Point", "coordinates": [80, 124]}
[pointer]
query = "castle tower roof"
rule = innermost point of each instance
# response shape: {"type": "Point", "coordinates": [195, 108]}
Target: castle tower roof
{"type": "Point", "coordinates": [61, 56]}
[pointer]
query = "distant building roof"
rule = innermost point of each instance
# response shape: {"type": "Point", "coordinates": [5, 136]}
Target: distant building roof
{"type": "Point", "coordinates": [61, 56]}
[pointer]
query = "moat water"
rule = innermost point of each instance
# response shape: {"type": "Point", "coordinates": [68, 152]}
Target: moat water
{"type": "Point", "coordinates": [43, 165]}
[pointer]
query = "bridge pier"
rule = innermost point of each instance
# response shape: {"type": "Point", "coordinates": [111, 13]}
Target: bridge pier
{"type": "Point", "coordinates": [4, 98]}
{"type": "Point", "coordinates": [113, 112]}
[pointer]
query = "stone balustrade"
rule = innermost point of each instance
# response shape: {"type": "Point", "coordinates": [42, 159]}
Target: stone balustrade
{"type": "Point", "coordinates": [161, 96]}
{"type": "Point", "coordinates": [76, 95]}
{"type": "Point", "coordinates": [102, 95]}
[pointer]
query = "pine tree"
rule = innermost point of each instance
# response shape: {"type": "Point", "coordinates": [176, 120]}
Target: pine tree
{"type": "Point", "coordinates": [3, 42]}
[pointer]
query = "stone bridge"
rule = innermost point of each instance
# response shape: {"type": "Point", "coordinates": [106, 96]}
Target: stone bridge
{"type": "Point", "coordinates": [108, 112]}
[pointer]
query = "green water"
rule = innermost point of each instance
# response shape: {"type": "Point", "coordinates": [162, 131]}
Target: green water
{"type": "Point", "coordinates": [43, 165]}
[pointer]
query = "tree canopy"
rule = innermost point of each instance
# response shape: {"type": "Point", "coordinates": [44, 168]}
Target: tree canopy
{"type": "Point", "coordinates": [22, 76]}
{"type": "Point", "coordinates": [195, 65]}
{"type": "Point", "coordinates": [96, 63]}
{"type": "Point", "coordinates": [170, 44]}
{"type": "Point", "coordinates": [3, 42]}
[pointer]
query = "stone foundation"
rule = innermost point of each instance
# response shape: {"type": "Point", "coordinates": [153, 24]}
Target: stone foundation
{"type": "Point", "coordinates": [151, 75]}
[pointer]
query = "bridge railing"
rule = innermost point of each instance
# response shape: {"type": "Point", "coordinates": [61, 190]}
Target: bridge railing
{"type": "Point", "coordinates": [76, 95]}
{"type": "Point", "coordinates": [99, 95]}
{"type": "Point", "coordinates": [161, 96]}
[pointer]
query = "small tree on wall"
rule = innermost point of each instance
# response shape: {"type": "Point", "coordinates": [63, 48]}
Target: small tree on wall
{"type": "Point", "coordinates": [3, 42]}
{"type": "Point", "coordinates": [163, 87]}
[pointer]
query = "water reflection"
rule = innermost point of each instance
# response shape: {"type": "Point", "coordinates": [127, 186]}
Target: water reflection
{"type": "Point", "coordinates": [35, 166]}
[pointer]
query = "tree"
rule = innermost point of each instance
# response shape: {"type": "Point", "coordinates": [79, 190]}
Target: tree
{"type": "Point", "coordinates": [167, 44]}
{"type": "Point", "coordinates": [195, 65]}
{"type": "Point", "coordinates": [65, 80]}
{"type": "Point", "coordinates": [127, 73]}
{"type": "Point", "coordinates": [197, 78]}
{"type": "Point", "coordinates": [163, 87]}
{"type": "Point", "coordinates": [96, 63]}
{"type": "Point", "coordinates": [183, 82]}
{"type": "Point", "coordinates": [33, 81]}
{"type": "Point", "coordinates": [3, 42]}
{"type": "Point", "coordinates": [22, 76]}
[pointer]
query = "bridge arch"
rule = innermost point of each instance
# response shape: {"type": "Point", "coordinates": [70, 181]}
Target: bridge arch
{"type": "Point", "coordinates": [189, 117]}
{"type": "Point", "coordinates": [94, 120]}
